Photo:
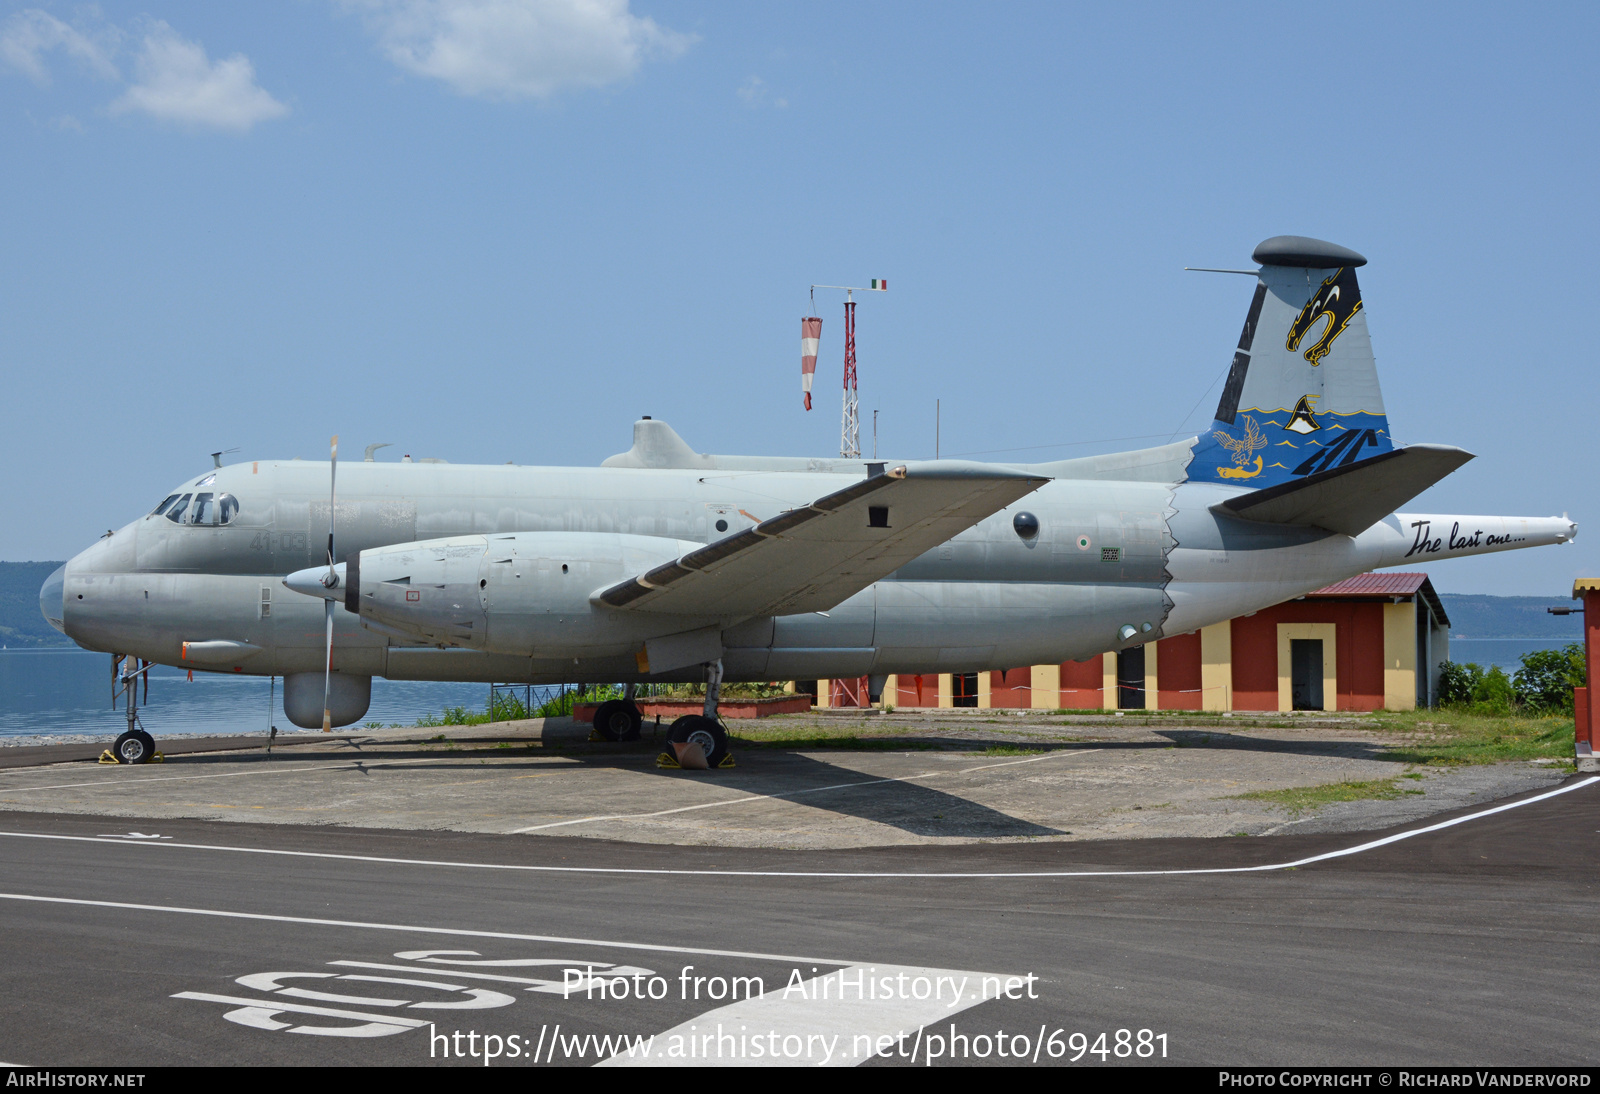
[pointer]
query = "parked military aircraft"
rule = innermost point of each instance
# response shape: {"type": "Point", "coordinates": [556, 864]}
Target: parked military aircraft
{"type": "Point", "coordinates": [664, 564]}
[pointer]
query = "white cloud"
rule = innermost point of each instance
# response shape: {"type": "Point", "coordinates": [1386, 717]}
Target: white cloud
{"type": "Point", "coordinates": [28, 35]}
{"type": "Point", "coordinates": [754, 93]}
{"type": "Point", "coordinates": [176, 81]}
{"type": "Point", "coordinates": [518, 49]}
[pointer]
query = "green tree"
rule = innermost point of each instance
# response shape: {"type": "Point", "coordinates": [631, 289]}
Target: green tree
{"type": "Point", "coordinates": [1493, 692]}
{"type": "Point", "coordinates": [1457, 681]}
{"type": "Point", "coordinates": [1545, 681]}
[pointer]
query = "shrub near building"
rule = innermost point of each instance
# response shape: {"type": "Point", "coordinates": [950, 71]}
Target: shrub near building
{"type": "Point", "coordinates": [1543, 685]}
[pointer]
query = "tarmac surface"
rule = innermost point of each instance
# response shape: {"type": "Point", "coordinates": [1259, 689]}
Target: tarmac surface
{"type": "Point", "coordinates": [360, 899]}
{"type": "Point", "coordinates": [193, 942]}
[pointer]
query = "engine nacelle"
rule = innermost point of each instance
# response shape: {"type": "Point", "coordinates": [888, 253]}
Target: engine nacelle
{"type": "Point", "coordinates": [506, 593]}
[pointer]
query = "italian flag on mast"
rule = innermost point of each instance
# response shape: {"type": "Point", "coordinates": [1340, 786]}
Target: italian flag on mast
{"type": "Point", "coordinates": [880, 284]}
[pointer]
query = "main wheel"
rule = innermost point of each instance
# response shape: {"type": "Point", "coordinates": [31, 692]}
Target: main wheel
{"type": "Point", "coordinates": [706, 732]}
{"type": "Point", "coordinates": [618, 720]}
{"type": "Point", "coordinates": [134, 747]}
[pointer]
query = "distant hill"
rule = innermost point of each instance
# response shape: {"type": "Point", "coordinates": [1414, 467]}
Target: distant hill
{"type": "Point", "coordinates": [1474, 616]}
{"type": "Point", "coordinates": [20, 621]}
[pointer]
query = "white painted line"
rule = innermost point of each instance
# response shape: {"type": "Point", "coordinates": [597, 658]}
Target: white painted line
{"type": "Point", "coordinates": [880, 874]}
{"type": "Point", "coordinates": [795, 793]}
{"type": "Point", "coordinates": [458, 932]}
{"type": "Point", "coordinates": [824, 1023]}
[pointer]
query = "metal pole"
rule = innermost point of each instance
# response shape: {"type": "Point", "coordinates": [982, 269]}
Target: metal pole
{"type": "Point", "coordinates": [850, 426]}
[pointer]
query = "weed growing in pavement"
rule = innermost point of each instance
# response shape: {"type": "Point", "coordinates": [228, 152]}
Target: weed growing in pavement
{"type": "Point", "coordinates": [1299, 799]}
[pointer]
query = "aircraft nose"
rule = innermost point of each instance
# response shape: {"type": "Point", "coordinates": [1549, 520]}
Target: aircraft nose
{"type": "Point", "coordinates": [51, 598]}
{"type": "Point", "coordinates": [312, 581]}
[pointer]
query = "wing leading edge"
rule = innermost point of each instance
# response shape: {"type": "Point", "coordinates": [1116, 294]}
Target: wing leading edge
{"type": "Point", "coordinates": [812, 558]}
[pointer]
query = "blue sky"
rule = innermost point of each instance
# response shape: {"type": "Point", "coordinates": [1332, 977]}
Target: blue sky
{"type": "Point", "coordinates": [492, 230]}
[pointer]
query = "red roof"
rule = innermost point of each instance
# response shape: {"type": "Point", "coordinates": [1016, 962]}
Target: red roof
{"type": "Point", "coordinates": [1388, 585]}
{"type": "Point", "coordinates": [1375, 585]}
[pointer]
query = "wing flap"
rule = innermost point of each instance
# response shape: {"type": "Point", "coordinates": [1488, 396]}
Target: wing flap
{"type": "Point", "coordinates": [813, 557]}
{"type": "Point", "coordinates": [1353, 498]}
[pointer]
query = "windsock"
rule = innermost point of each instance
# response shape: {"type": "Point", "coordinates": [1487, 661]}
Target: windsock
{"type": "Point", "coordinates": [810, 334]}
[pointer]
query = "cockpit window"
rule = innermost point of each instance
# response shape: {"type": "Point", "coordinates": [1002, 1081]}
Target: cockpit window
{"type": "Point", "coordinates": [227, 508]}
{"type": "Point", "coordinates": [202, 512]}
{"type": "Point", "coordinates": [162, 508]}
{"type": "Point", "coordinates": [175, 514]}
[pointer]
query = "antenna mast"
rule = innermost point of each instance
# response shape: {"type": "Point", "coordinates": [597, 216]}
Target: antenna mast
{"type": "Point", "coordinates": [850, 419]}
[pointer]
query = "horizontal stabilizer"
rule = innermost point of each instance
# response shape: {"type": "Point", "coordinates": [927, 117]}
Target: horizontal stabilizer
{"type": "Point", "coordinates": [814, 557]}
{"type": "Point", "coordinates": [1352, 498]}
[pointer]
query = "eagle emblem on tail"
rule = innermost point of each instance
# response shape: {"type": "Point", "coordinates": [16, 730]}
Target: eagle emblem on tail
{"type": "Point", "coordinates": [1242, 449]}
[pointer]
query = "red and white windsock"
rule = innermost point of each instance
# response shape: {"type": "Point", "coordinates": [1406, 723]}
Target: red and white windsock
{"type": "Point", "coordinates": [810, 335]}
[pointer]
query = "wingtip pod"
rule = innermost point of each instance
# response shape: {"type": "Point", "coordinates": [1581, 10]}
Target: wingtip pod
{"type": "Point", "coordinates": [1410, 538]}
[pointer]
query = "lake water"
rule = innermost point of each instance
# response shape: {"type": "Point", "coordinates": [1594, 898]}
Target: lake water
{"type": "Point", "coordinates": [1503, 652]}
{"type": "Point", "coordinates": [68, 691]}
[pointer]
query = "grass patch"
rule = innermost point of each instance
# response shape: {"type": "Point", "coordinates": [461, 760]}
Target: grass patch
{"type": "Point", "coordinates": [1456, 737]}
{"type": "Point", "coordinates": [1011, 750]}
{"type": "Point", "coordinates": [1299, 799]}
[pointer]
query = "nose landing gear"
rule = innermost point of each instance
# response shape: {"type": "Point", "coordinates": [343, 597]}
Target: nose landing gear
{"type": "Point", "coordinates": [134, 746]}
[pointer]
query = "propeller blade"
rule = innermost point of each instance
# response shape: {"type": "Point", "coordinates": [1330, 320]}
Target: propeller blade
{"type": "Point", "coordinates": [330, 582]}
{"type": "Point", "coordinates": [327, 674]}
{"type": "Point", "coordinates": [333, 481]}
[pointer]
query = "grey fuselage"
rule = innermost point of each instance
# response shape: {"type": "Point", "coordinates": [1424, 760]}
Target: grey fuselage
{"type": "Point", "coordinates": [1123, 541]}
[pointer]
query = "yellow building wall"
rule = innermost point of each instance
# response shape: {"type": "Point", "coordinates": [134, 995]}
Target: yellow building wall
{"type": "Point", "coordinates": [1327, 633]}
{"type": "Point", "coordinates": [946, 691]}
{"type": "Point", "coordinates": [824, 693]}
{"type": "Point", "coordinates": [1400, 656]}
{"type": "Point", "coordinates": [984, 680]}
{"type": "Point", "coordinates": [1216, 666]}
{"type": "Point", "coordinates": [1108, 681]}
{"type": "Point", "coordinates": [1152, 691]}
{"type": "Point", "coordinates": [1046, 684]}
{"type": "Point", "coordinates": [891, 691]}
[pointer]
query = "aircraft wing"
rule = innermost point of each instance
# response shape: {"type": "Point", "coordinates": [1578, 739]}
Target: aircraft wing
{"type": "Point", "coordinates": [812, 558]}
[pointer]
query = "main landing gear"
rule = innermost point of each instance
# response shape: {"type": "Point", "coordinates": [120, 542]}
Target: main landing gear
{"type": "Point", "coordinates": [621, 720]}
{"type": "Point", "coordinates": [703, 729]}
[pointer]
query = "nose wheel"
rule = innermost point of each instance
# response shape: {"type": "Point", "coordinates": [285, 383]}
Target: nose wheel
{"type": "Point", "coordinates": [134, 747]}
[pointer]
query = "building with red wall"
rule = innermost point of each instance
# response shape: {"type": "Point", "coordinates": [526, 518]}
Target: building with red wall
{"type": "Point", "coordinates": [1373, 642]}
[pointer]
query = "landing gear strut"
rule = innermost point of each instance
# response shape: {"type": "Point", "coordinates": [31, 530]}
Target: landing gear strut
{"type": "Point", "coordinates": [704, 729]}
{"type": "Point", "coordinates": [134, 746]}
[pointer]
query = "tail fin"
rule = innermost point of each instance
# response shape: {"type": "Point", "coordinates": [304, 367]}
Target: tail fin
{"type": "Point", "coordinates": [1302, 396]}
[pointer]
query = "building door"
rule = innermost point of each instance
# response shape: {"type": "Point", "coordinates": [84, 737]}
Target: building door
{"type": "Point", "coordinates": [964, 689]}
{"type": "Point", "coordinates": [1130, 678]}
{"type": "Point", "coordinates": [1305, 673]}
